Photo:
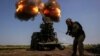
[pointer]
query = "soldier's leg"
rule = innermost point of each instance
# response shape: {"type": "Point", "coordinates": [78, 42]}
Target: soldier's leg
{"type": "Point", "coordinates": [80, 45]}
{"type": "Point", "coordinates": [75, 43]}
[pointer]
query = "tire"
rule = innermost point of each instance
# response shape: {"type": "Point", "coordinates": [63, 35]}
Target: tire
{"type": "Point", "coordinates": [34, 41]}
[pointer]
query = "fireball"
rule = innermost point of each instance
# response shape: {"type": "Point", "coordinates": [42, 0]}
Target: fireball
{"type": "Point", "coordinates": [52, 10]}
{"type": "Point", "coordinates": [53, 13]}
{"type": "Point", "coordinates": [26, 10]}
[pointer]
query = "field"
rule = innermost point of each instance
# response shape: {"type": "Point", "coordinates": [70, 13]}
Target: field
{"type": "Point", "coordinates": [22, 50]}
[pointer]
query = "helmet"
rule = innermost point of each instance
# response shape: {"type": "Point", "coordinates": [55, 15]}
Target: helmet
{"type": "Point", "coordinates": [68, 20]}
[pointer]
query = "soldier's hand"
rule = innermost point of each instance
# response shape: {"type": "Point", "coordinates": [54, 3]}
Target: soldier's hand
{"type": "Point", "coordinates": [66, 33]}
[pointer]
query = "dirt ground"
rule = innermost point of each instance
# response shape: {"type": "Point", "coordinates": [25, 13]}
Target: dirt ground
{"type": "Point", "coordinates": [25, 52]}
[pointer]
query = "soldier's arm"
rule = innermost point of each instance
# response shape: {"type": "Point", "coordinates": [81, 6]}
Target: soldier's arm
{"type": "Point", "coordinates": [68, 30]}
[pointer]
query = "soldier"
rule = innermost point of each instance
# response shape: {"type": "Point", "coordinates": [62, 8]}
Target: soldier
{"type": "Point", "coordinates": [75, 30]}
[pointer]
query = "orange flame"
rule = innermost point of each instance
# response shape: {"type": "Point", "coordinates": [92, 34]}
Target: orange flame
{"type": "Point", "coordinates": [46, 11]}
{"type": "Point", "coordinates": [20, 7]}
{"type": "Point", "coordinates": [58, 11]}
{"type": "Point", "coordinates": [35, 9]}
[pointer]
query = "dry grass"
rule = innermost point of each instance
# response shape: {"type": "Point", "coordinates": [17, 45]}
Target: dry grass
{"type": "Point", "coordinates": [22, 50]}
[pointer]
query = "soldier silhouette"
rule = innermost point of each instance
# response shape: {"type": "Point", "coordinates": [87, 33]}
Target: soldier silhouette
{"type": "Point", "coordinates": [75, 30]}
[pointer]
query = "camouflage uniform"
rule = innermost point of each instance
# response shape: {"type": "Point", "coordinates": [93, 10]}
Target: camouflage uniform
{"type": "Point", "coordinates": [75, 30]}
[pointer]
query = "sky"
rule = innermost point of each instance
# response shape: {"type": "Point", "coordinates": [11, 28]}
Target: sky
{"type": "Point", "coordinates": [16, 32]}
